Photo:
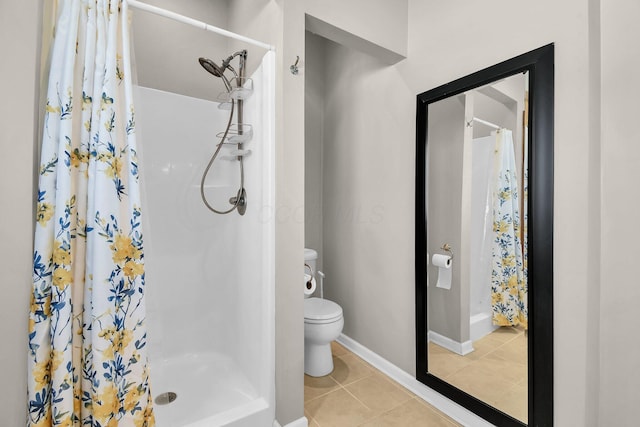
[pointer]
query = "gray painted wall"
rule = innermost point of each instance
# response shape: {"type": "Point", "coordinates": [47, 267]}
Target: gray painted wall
{"type": "Point", "coordinates": [619, 296]}
{"type": "Point", "coordinates": [363, 196]}
{"type": "Point", "coordinates": [314, 80]}
{"type": "Point", "coordinates": [378, 22]}
{"type": "Point", "coordinates": [444, 215]}
{"type": "Point", "coordinates": [19, 79]}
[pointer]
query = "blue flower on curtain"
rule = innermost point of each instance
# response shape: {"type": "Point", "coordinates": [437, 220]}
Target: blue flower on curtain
{"type": "Point", "coordinates": [508, 282]}
{"type": "Point", "coordinates": [87, 338]}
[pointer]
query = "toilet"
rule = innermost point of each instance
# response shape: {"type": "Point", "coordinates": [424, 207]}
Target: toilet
{"type": "Point", "coordinates": [323, 323]}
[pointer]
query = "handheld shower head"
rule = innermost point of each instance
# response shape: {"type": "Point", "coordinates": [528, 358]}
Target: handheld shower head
{"type": "Point", "coordinates": [216, 70]}
{"type": "Point", "coordinates": [212, 67]}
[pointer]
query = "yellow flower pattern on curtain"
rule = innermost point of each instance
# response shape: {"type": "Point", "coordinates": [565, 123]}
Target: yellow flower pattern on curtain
{"type": "Point", "coordinates": [87, 338]}
{"type": "Point", "coordinates": [508, 281]}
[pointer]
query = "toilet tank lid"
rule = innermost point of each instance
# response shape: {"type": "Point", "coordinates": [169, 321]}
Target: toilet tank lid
{"type": "Point", "coordinates": [310, 254]}
{"type": "Point", "coordinates": [321, 309]}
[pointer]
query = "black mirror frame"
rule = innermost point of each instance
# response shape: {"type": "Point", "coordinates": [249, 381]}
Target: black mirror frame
{"type": "Point", "coordinates": [540, 65]}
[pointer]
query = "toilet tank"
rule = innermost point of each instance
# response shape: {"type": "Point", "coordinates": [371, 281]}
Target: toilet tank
{"type": "Point", "coordinates": [310, 258]}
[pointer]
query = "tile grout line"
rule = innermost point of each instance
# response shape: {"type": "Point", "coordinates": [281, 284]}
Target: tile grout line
{"type": "Point", "coordinates": [324, 394]}
{"type": "Point", "coordinates": [340, 386]}
{"type": "Point", "coordinates": [355, 397]}
{"type": "Point", "coordinates": [344, 386]}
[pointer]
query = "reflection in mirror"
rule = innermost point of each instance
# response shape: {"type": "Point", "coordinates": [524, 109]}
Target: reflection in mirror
{"type": "Point", "coordinates": [476, 188]}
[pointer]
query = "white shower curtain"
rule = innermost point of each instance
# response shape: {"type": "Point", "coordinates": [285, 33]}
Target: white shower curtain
{"type": "Point", "coordinates": [87, 337]}
{"type": "Point", "coordinates": [508, 281]}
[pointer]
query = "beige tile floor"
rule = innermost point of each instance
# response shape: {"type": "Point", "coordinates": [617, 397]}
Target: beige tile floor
{"type": "Point", "coordinates": [357, 394]}
{"type": "Point", "coordinates": [495, 372]}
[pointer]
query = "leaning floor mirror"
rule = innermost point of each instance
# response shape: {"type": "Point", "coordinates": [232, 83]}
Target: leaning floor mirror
{"type": "Point", "coordinates": [484, 240]}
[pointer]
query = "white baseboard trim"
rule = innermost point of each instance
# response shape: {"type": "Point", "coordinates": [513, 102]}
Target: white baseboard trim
{"type": "Point", "coordinates": [300, 422]}
{"type": "Point", "coordinates": [480, 326]}
{"type": "Point", "coordinates": [447, 406]}
{"type": "Point", "coordinates": [461, 348]}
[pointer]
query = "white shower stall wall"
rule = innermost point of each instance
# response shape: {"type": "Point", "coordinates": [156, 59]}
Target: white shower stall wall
{"type": "Point", "coordinates": [210, 277]}
{"type": "Point", "coordinates": [480, 237]}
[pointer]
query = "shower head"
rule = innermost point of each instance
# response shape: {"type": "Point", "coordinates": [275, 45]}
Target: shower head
{"type": "Point", "coordinates": [217, 70]}
{"type": "Point", "coordinates": [212, 67]}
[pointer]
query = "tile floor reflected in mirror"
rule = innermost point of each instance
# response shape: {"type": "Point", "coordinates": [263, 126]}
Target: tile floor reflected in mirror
{"type": "Point", "coordinates": [495, 372]}
{"type": "Point", "coordinates": [357, 394]}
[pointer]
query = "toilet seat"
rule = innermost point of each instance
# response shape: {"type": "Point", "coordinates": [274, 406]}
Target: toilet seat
{"type": "Point", "coordinates": [319, 310]}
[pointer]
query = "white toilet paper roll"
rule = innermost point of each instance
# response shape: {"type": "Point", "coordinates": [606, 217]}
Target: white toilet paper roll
{"type": "Point", "coordinates": [309, 284]}
{"type": "Point", "coordinates": [443, 262]}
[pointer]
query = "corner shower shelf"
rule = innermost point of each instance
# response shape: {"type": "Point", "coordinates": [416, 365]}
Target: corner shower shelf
{"type": "Point", "coordinates": [238, 134]}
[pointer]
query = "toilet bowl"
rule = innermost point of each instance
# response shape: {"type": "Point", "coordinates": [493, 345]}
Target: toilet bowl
{"type": "Point", "coordinates": [323, 322]}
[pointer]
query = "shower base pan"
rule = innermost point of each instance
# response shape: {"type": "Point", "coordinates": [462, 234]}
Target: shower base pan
{"type": "Point", "coordinates": [205, 390]}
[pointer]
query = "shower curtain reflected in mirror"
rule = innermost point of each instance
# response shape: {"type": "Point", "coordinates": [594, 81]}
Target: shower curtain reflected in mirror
{"type": "Point", "coordinates": [508, 275]}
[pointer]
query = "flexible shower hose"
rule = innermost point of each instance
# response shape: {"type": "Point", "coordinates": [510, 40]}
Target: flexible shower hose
{"type": "Point", "coordinates": [210, 164]}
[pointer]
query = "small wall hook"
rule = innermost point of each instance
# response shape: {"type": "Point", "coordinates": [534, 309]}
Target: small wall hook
{"type": "Point", "coordinates": [294, 67]}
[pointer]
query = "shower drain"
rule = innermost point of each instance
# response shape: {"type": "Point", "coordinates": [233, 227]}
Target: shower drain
{"type": "Point", "coordinates": [166, 398]}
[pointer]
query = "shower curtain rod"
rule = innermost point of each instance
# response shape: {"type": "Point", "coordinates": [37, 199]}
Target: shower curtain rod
{"type": "Point", "coordinates": [484, 122]}
{"type": "Point", "coordinates": [193, 22]}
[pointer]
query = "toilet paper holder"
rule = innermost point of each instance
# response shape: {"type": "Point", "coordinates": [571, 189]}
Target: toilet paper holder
{"type": "Point", "coordinates": [447, 248]}
{"type": "Point", "coordinates": [321, 274]}
{"type": "Point", "coordinates": [308, 284]}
